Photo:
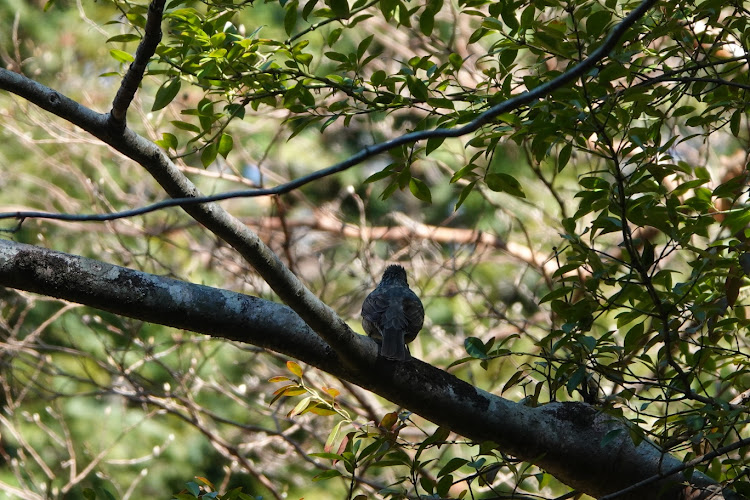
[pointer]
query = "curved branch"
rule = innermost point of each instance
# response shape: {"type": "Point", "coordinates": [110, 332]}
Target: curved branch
{"type": "Point", "coordinates": [134, 75]}
{"type": "Point", "coordinates": [566, 439]}
{"type": "Point", "coordinates": [12, 84]}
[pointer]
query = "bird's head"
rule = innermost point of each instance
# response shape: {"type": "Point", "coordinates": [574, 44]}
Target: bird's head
{"type": "Point", "coordinates": [394, 274]}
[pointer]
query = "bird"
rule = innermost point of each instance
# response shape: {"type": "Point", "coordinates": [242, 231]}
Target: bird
{"type": "Point", "coordinates": [392, 314]}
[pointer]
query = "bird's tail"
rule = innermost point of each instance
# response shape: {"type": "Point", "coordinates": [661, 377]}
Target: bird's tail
{"type": "Point", "coordinates": [394, 326]}
{"type": "Point", "coordinates": [393, 344]}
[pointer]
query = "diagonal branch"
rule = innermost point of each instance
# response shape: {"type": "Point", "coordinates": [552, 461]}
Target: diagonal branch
{"type": "Point", "coordinates": [321, 318]}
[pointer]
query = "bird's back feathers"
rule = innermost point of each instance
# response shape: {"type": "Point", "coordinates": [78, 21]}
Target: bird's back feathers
{"type": "Point", "coordinates": [393, 313]}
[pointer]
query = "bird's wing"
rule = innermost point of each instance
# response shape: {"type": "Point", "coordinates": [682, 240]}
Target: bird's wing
{"type": "Point", "coordinates": [374, 306]}
{"type": "Point", "coordinates": [413, 307]}
{"type": "Point", "coordinates": [414, 312]}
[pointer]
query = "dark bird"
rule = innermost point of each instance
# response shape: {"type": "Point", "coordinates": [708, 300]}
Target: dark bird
{"type": "Point", "coordinates": [393, 314]}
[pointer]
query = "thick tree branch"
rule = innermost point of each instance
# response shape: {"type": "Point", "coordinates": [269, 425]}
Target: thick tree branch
{"type": "Point", "coordinates": [563, 438]}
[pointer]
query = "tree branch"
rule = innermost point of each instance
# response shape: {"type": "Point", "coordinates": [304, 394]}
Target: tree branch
{"type": "Point", "coordinates": [563, 438]}
{"type": "Point", "coordinates": [289, 288]}
{"type": "Point", "coordinates": [134, 75]}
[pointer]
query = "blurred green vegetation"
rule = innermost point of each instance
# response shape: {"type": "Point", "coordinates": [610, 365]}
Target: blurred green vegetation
{"type": "Point", "coordinates": [91, 400]}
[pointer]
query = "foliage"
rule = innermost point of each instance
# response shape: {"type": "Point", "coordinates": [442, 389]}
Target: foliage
{"type": "Point", "coordinates": [591, 245]}
{"type": "Point", "coordinates": [207, 490]}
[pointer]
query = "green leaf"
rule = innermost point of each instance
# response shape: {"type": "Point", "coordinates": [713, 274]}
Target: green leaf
{"type": "Point", "coordinates": [434, 6]}
{"type": "Point", "coordinates": [564, 156]}
{"type": "Point", "coordinates": [556, 294]}
{"type": "Point", "coordinates": [513, 380]}
{"type": "Point", "coordinates": [504, 183]}
{"type": "Point", "coordinates": [186, 126]}
{"type": "Point", "coordinates": [332, 436]}
{"type": "Point", "coordinates": [466, 170]}
{"type": "Point", "coordinates": [465, 192]}
{"type": "Point", "coordinates": [417, 88]}
{"type": "Point", "coordinates": [208, 155]}
{"type": "Point", "coordinates": [363, 46]}
{"type": "Point", "coordinates": [388, 8]}
{"type": "Point", "coordinates": [439, 436]}
{"type": "Point", "coordinates": [440, 102]}
{"type": "Point", "coordinates": [509, 17]}
{"type": "Point", "coordinates": [734, 122]}
{"type": "Point", "coordinates": [432, 144]}
{"type": "Point", "coordinates": [737, 220]}
{"type": "Point", "coordinates": [475, 348]}
{"type": "Point", "coordinates": [127, 37]}
{"type": "Point", "coordinates": [333, 36]}
{"type": "Point", "coordinates": [226, 143]}
{"type": "Point", "coordinates": [166, 93]}
{"type": "Point", "coordinates": [168, 141]}
{"type": "Point", "coordinates": [304, 59]}
{"type": "Point", "coordinates": [193, 488]}
{"type": "Point", "coordinates": [340, 8]}
{"type": "Point", "coordinates": [300, 407]}
{"type": "Point", "coordinates": [235, 110]}
{"type": "Point", "coordinates": [105, 494]}
{"type": "Point", "coordinates": [404, 15]}
{"type": "Point", "coordinates": [121, 56]}
{"type": "Point", "coordinates": [745, 263]}
{"type": "Point", "coordinates": [218, 39]}
{"type": "Point", "coordinates": [336, 56]}
{"type": "Point", "coordinates": [683, 110]}
{"type": "Point", "coordinates": [290, 18]}
{"type": "Point", "coordinates": [527, 17]}
{"type": "Point", "coordinates": [420, 190]}
{"type": "Point", "coordinates": [386, 172]}
{"type": "Point", "coordinates": [587, 342]}
{"type": "Point", "coordinates": [331, 473]}
{"type": "Point", "coordinates": [426, 22]}
{"type": "Point", "coordinates": [741, 487]}
{"type": "Point", "coordinates": [378, 78]}
{"type": "Point", "coordinates": [730, 188]}
{"type": "Point", "coordinates": [576, 380]}
{"type": "Point", "coordinates": [478, 35]}
{"type": "Point", "coordinates": [328, 456]}
{"type": "Point", "coordinates": [308, 8]}
{"type": "Point", "coordinates": [453, 465]}
{"type": "Point", "coordinates": [444, 485]}
{"type": "Point", "coordinates": [184, 496]}
{"type": "Point", "coordinates": [455, 60]}
{"type": "Point", "coordinates": [507, 57]}
{"type": "Point", "coordinates": [594, 183]}
{"type": "Point", "coordinates": [597, 22]}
